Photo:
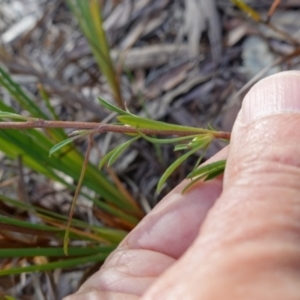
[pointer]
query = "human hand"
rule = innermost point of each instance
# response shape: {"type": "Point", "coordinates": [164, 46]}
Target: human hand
{"type": "Point", "coordinates": [237, 238]}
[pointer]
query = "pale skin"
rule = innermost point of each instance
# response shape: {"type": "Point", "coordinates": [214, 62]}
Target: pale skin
{"type": "Point", "coordinates": [236, 237]}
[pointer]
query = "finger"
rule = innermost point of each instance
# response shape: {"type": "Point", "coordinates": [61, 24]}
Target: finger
{"type": "Point", "coordinates": [154, 245]}
{"type": "Point", "coordinates": [94, 294]}
{"type": "Point", "coordinates": [249, 247]}
{"type": "Point", "coordinates": [177, 217]}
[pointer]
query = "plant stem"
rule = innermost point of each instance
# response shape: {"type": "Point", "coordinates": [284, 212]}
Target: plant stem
{"type": "Point", "coordinates": [100, 128]}
{"type": "Point", "coordinates": [78, 188]}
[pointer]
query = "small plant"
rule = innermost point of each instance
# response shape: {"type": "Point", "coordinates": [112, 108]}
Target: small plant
{"type": "Point", "coordinates": [52, 154]}
{"type": "Point", "coordinates": [188, 138]}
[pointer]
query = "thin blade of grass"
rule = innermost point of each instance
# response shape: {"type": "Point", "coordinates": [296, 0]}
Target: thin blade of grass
{"type": "Point", "coordinates": [66, 263]}
{"type": "Point", "coordinates": [17, 92]}
{"type": "Point", "coordinates": [88, 14]}
{"type": "Point", "coordinates": [54, 251]}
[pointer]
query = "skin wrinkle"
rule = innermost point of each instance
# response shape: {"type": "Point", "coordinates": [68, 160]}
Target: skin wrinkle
{"type": "Point", "coordinates": [124, 257]}
{"type": "Point", "coordinates": [228, 224]}
{"type": "Point", "coordinates": [134, 268]}
{"type": "Point", "coordinates": [120, 280]}
{"type": "Point", "coordinates": [259, 175]}
{"type": "Point", "coordinates": [257, 150]}
{"type": "Point", "coordinates": [226, 216]}
{"type": "Point", "coordinates": [212, 190]}
{"type": "Point", "coordinates": [94, 294]}
{"type": "Point", "coordinates": [149, 237]}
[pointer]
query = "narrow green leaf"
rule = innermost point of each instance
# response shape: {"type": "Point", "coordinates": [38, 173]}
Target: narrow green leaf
{"type": "Point", "coordinates": [207, 169]}
{"type": "Point", "coordinates": [119, 150]}
{"type": "Point", "coordinates": [210, 127]}
{"type": "Point", "coordinates": [167, 141]}
{"type": "Point", "coordinates": [62, 144]}
{"type": "Point", "coordinates": [105, 158]}
{"type": "Point", "coordinates": [205, 147]}
{"type": "Point", "coordinates": [143, 123]}
{"type": "Point", "coordinates": [9, 115]}
{"type": "Point", "coordinates": [190, 184]}
{"type": "Point", "coordinates": [214, 173]}
{"type": "Point", "coordinates": [113, 108]}
{"type": "Point", "coordinates": [201, 141]}
{"type": "Point", "coordinates": [207, 172]}
{"type": "Point", "coordinates": [172, 168]}
{"type": "Point", "coordinates": [181, 147]}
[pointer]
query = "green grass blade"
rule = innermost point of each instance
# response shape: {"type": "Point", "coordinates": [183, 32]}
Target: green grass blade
{"type": "Point", "coordinates": [14, 143]}
{"type": "Point", "coordinates": [17, 92]}
{"type": "Point", "coordinates": [16, 222]}
{"type": "Point", "coordinates": [66, 263]}
{"type": "Point", "coordinates": [110, 235]}
{"type": "Point", "coordinates": [54, 251]}
{"type": "Point", "coordinates": [44, 95]}
{"type": "Point", "coordinates": [88, 14]}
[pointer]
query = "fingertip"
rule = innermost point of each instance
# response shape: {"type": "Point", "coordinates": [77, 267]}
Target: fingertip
{"type": "Point", "coordinates": [273, 95]}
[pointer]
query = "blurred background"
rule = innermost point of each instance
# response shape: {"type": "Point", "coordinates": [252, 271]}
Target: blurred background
{"type": "Point", "coordinates": [184, 62]}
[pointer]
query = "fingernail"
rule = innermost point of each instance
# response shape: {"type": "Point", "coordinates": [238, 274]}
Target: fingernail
{"type": "Point", "coordinates": [273, 95]}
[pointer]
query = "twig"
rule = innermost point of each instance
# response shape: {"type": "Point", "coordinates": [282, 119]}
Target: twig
{"type": "Point", "coordinates": [100, 128]}
{"type": "Point", "coordinates": [272, 9]}
{"type": "Point", "coordinates": [78, 188]}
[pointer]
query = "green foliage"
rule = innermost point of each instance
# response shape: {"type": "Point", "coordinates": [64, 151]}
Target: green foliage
{"type": "Point", "coordinates": [119, 150]}
{"type": "Point", "coordinates": [36, 146]}
{"type": "Point", "coordinates": [200, 141]}
{"type": "Point", "coordinates": [62, 144]}
{"type": "Point", "coordinates": [88, 14]}
{"type": "Point", "coordinates": [143, 123]}
{"type": "Point", "coordinates": [33, 146]}
{"type": "Point", "coordinates": [207, 172]}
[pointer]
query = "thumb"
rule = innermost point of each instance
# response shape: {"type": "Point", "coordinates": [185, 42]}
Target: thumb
{"type": "Point", "coordinates": [249, 244]}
